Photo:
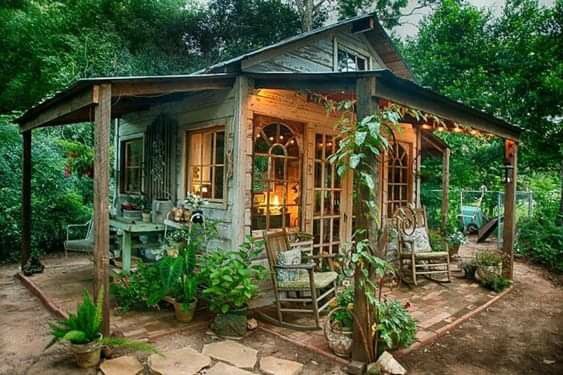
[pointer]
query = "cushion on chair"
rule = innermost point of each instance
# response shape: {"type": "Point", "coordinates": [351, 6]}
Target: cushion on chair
{"type": "Point", "coordinates": [420, 240]}
{"type": "Point", "coordinates": [322, 280]}
{"type": "Point", "coordinates": [79, 245]}
{"type": "Point", "coordinates": [289, 258]}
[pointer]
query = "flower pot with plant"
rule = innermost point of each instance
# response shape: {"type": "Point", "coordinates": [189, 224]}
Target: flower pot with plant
{"type": "Point", "coordinates": [489, 265]}
{"type": "Point", "coordinates": [455, 240]}
{"type": "Point", "coordinates": [339, 323]}
{"type": "Point", "coordinates": [230, 284]}
{"type": "Point", "coordinates": [177, 240]}
{"type": "Point", "coordinates": [82, 331]}
{"type": "Point", "coordinates": [194, 203]}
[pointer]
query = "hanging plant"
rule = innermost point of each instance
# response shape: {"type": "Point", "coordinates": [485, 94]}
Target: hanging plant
{"type": "Point", "coordinates": [80, 158]}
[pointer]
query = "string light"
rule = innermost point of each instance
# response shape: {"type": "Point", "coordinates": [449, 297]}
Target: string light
{"type": "Point", "coordinates": [426, 126]}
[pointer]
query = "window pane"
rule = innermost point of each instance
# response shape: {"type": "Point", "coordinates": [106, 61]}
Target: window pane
{"type": "Point", "coordinates": [133, 180]}
{"type": "Point", "coordinates": [219, 182]}
{"type": "Point", "coordinates": [135, 153]}
{"type": "Point", "coordinates": [220, 148]}
{"type": "Point", "coordinates": [207, 151]}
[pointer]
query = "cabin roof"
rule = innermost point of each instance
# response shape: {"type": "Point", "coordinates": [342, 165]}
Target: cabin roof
{"type": "Point", "coordinates": [383, 45]}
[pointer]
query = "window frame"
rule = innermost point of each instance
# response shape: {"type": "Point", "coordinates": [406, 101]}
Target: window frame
{"type": "Point", "coordinates": [188, 162]}
{"type": "Point", "coordinates": [408, 169]}
{"type": "Point", "coordinates": [364, 54]}
{"type": "Point", "coordinates": [124, 141]}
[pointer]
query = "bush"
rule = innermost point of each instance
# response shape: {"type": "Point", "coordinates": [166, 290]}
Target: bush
{"type": "Point", "coordinates": [136, 291]}
{"type": "Point", "coordinates": [496, 283]}
{"type": "Point", "coordinates": [540, 239]}
{"type": "Point", "coordinates": [396, 326]}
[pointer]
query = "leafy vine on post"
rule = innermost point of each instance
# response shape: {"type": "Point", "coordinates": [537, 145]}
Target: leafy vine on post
{"type": "Point", "coordinates": [363, 140]}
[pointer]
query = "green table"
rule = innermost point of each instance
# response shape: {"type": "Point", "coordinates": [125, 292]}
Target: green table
{"type": "Point", "coordinates": [129, 227]}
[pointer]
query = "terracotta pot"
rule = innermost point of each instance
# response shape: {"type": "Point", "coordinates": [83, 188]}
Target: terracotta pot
{"type": "Point", "coordinates": [87, 355]}
{"type": "Point", "coordinates": [339, 340]}
{"type": "Point", "coordinates": [185, 311]}
{"type": "Point", "coordinates": [231, 324]}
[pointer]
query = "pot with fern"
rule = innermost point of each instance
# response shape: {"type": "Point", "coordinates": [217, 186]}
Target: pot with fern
{"type": "Point", "coordinates": [489, 265]}
{"type": "Point", "coordinates": [82, 332]}
{"type": "Point", "coordinates": [339, 323]}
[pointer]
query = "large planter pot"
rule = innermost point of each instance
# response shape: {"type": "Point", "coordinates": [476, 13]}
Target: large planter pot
{"type": "Point", "coordinates": [87, 355]}
{"type": "Point", "coordinates": [231, 324]}
{"type": "Point", "coordinates": [185, 311]}
{"type": "Point", "coordinates": [339, 340]}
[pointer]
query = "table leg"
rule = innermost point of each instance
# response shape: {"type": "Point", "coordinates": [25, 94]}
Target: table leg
{"type": "Point", "coordinates": [126, 251]}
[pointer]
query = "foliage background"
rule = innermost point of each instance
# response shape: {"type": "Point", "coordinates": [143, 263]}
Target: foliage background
{"type": "Point", "coordinates": [509, 64]}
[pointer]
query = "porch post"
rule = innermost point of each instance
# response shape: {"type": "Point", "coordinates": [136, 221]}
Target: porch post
{"type": "Point", "coordinates": [102, 122]}
{"type": "Point", "coordinates": [445, 189]}
{"type": "Point", "coordinates": [365, 106]}
{"type": "Point", "coordinates": [511, 161]}
{"type": "Point", "coordinates": [25, 251]}
{"type": "Point", "coordinates": [239, 155]}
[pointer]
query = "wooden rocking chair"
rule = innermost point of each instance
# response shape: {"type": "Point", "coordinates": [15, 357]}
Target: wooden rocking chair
{"type": "Point", "coordinates": [415, 250]}
{"type": "Point", "coordinates": [297, 283]}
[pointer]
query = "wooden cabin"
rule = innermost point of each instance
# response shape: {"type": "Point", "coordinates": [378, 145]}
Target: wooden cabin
{"type": "Point", "coordinates": [247, 135]}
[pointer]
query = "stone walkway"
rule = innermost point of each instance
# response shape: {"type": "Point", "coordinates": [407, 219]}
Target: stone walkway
{"type": "Point", "coordinates": [219, 358]}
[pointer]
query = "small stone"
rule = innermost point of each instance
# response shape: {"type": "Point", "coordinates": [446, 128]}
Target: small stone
{"type": "Point", "coordinates": [277, 366]}
{"type": "Point", "coordinates": [548, 361]}
{"type": "Point", "coordinates": [232, 352]}
{"type": "Point", "coordinates": [252, 324]}
{"type": "Point", "coordinates": [223, 369]}
{"type": "Point", "coordinates": [185, 361]}
{"type": "Point", "coordinates": [126, 365]}
{"type": "Point", "coordinates": [384, 365]}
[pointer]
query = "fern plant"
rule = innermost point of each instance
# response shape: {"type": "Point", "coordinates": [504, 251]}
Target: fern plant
{"type": "Point", "coordinates": [85, 326]}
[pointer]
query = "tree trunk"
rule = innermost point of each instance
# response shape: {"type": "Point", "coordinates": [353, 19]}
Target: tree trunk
{"type": "Point", "coordinates": [559, 219]}
{"type": "Point", "coordinates": [307, 15]}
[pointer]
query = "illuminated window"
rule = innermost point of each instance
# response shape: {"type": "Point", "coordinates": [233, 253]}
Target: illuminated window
{"type": "Point", "coordinates": [131, 166]}
{"type": "Point", "coordinates": [399, 171]}
{"type": "Point", "coordinates": [206, 163]}
{"type": "Point", "coordinates": [276, 181]}
{"type": "Point", "coordinates": [349, 61]}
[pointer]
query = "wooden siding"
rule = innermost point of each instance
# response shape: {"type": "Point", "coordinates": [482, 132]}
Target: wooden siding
{"type": "Point", "coordinates": [317, 55]}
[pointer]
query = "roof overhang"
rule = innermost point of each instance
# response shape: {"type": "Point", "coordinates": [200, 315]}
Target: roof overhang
{"type": "Point", "coordinates": [390, 87]}
{"type": "Point", "coordinates": [130, 94]}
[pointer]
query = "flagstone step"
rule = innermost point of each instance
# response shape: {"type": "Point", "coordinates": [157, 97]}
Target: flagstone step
{"type": "Point", "coordinates": [233, 353]}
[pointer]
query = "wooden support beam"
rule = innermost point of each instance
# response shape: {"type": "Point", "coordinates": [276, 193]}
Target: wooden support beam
{"type": "Point", "coordinates": [365, 105]}
{"type": "Point", "coordinates": [26, 198]}
{"type": "Point", "coordinates": [169, 87]}
{"type": "Point", "coordinates": [102, 123]}
{"type": "Point", "coordinates": [239, 133]}
{"type": "Point", "coordinates": [509, 226]}
{"type": "Point", "coordinates": [445, 189]}
{"type": "Point", "coordinates": [61, 109]}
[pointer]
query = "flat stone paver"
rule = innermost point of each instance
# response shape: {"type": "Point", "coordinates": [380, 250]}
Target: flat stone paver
{"type": "Point", "coordinates": [185, 361]}
{"type": "Point", "coordinates": [278, 366]}
{"type": "Point", "coordinates": [223, 369]}
{"type": "Point", "coordinates": [232, 352]}
{"type": "Point", "coordinates": [125, 365]}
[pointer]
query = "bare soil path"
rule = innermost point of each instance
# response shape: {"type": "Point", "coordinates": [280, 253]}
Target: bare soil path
{"type": "Point", "coordinates": [520, 334]}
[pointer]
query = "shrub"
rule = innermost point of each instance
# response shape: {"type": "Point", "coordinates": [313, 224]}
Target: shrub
{"type": "Point", "coordinates": [495, 283]}
{"type": "Point", "coordinates": [344, 302]}
{"type": "Point", "coordinates": [138, 290]}
{"type": "Point", "coordinates": [396, 327]}
{"type": "Point", "coordinates": [540, 239]}
{"type": "Point", "coordinates": [486, 258]}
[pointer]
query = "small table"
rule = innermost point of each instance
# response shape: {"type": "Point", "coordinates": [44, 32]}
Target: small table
{"type": "Point", "coordinates": [129, 227]}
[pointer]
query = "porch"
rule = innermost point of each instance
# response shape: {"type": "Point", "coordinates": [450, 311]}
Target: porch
{"type": "Point", "coordinates": [437, 308]}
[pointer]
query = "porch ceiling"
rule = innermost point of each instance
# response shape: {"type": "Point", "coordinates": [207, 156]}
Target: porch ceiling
{"type": "Point", "coordinates": [129, 94]}
{"type": "Point", "coordinates": [389, 86]}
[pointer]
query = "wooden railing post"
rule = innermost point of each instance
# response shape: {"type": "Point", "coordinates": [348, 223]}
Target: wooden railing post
{"type": "Point", "coordinates": [445, 189]}
{"type": "Point", "coordinates": [26, 199]}
{"type": "Point", "coordinates": [509, 229]}
{"type": "Point", "coordinates": [102, 116]}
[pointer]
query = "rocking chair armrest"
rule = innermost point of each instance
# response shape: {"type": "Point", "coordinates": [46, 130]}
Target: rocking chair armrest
{"type": "Point", "coordinates": [305, 266]}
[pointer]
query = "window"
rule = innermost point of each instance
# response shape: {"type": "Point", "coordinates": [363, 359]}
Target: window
{"type": "Point", "coordinates": [276, 180]}
{"type": "Point", "coordinates": [132, 166]}
{"type": "Point", "coordinates": [349, 61]}
{"type": "Point", "coordinates": [399, 170]}
{"type": "Point", "coordinates": [206, 163]}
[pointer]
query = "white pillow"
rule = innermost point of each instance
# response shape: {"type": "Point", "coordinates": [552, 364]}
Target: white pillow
{"type": "Point", "coordinates": [289, 258]}
{"type": "Point", "coordinates": [420, 240]}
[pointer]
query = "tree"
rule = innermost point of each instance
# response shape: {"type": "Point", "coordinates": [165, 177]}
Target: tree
{"type": "Point", "coordinates": [510, 66]}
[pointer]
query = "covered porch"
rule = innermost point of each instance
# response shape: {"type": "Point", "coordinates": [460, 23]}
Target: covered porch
{"type": "Point", "coordinates": [249, 210]}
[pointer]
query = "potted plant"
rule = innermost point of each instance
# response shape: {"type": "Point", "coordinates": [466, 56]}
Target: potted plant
{"type": "Point", "coordinates": [177, 240]}
{"type": "Point", "coordinates": [82, 331]}
{"type": "Point", "coordinates": [194, 203]}
{"type": "Point", "coordinates": [339, 323]}
{"type": "Point", "coordinates": [489, 265]}
{"type": "Point", "coordinates": [455, 240]}
{"type": "Point", "coordinates": [230, 284]}
{"type": "Point", "coordinates": [132, 207]}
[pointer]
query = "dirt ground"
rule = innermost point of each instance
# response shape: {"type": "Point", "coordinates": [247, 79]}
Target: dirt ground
{"type": "Point", "coordinates": [520, 334]}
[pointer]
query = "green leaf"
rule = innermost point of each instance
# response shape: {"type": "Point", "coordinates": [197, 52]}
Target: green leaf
{"type": "Point", "coordinates": [354, 161]}
{"type": "Point", "coordinates": [360, 138]}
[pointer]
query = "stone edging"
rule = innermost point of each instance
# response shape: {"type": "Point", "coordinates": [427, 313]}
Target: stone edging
{"type": "Point", "coordinates": [448, 327]}
{"type": "Point", "coordinates": [36, 291]}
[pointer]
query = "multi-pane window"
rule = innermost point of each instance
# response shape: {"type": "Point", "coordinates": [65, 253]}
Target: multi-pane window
{"type": "Point", "coordinates": [206, 163]}
{"type": "Point", "coordinates": [327, 219]}
{"type": "Point", "coordinates": [349, 61]}
{"type": "Point", "coordinates": [399, 170]}
{"type": "Point", "coordinates": [132, 166]}
{"type": "Point", "coordinates": [276, 179]}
